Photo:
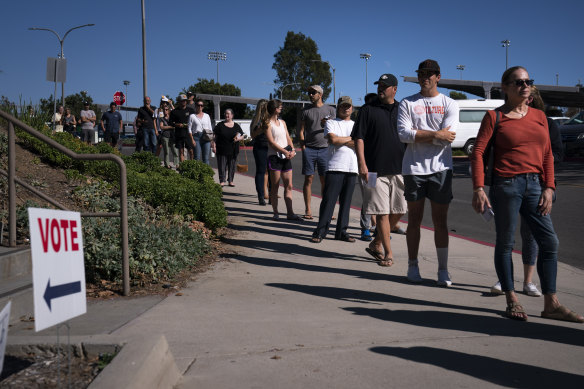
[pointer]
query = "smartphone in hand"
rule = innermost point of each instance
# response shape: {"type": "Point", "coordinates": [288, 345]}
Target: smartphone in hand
{"type": "Point", "coordinates": [488, 214]}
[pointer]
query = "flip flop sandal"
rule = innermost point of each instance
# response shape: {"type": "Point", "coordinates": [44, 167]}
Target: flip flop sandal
{"type": "Point", "coordinates": [515, 311]}
{"type": "Point", "coordinates": [562, 313]}
{"type": "Point", "coordinates": [307, 217]}
{"type": "Point", "coordinates": [385, 262]}
{"type": "Point", "coordinates": [375, 254]}
{"type": "Point", "coordinates": [316, 239]}
{"type": "Point", "coordinates": [399, 231]}
{"type": "Point", "coordinates": [294, 217]}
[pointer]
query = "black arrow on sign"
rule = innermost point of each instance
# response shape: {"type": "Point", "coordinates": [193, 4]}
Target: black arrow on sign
{"type": "Point", "coordinates": [54, 292]}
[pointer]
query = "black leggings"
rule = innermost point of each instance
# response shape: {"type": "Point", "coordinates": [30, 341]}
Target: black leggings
{"type": "Point", "coordinates": [260, 155]}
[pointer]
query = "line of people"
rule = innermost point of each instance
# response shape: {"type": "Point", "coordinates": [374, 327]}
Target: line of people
{"type": "Point", "coordinates": [400, 153]}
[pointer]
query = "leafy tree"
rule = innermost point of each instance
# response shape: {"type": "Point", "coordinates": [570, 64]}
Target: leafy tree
{"type": "Point", "coordinates": [214, 88]}
{"type": "Point", "coordinates": [75, 102]}
{"type": "Point", "coordinates": [457, 95]}
{"type": "Point", "coordinates": [298, 61]}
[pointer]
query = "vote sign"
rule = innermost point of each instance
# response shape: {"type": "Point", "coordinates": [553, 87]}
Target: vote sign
{"type": "Point", "coordinates": [119, 98]}
{"type": "Point", "coordinates": [58, 272]}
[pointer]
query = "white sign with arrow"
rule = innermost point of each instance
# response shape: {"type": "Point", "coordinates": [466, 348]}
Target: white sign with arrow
{"type": "Point", "coordinates": [58, 272]}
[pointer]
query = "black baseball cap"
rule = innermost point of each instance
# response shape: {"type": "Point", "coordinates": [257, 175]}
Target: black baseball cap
{"type": "Point", "coordinates": [429, 65]}
{"type": "Point", "coordinates": [387, 79]}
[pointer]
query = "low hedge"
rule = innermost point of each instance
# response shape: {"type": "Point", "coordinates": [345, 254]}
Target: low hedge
{"type": "Point", "coordinates": [192, 192]}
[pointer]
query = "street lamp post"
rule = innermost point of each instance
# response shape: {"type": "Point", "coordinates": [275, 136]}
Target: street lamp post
{"type": "Point", "coordinates": [506, 44]}
{"type": "Point", "coordinates": [217, 56]}
{"type": "Point", "coordinates": [334, 81]}
{"type": "Point", "coordinates": [61, 56]}
{"type": "Point", "coordinates": [126, 83]}
{"type": "Point", "coordinates": [461, 68]}
{"type": "Point", "coordinates": [281, 89]}
{"type": "Point", "coordinates": [366, 57]}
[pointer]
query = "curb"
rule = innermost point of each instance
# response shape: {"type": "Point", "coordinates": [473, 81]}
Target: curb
{"type": "Point", "coordinates": [143, 363]}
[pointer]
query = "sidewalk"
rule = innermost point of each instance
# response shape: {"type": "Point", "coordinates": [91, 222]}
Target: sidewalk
{"type": "Point", "coordinates": [287, 313]}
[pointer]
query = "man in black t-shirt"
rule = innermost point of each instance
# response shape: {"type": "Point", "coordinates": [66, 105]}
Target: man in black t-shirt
{"type": "Point", "coordinates": [146, 122]}
{"type": "Point", "coordinates": [179, 119]}
{"type": "Point", "coordinates": [380, 151]}
{"type": "Point", "coordinates": [111, 125]}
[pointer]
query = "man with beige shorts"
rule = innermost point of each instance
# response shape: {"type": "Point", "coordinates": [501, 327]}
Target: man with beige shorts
{"type": "Point", "coordinates": [379, 159]}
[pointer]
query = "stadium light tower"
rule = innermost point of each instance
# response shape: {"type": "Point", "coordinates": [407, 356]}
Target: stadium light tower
{"type": "Point", "coordinates": [217, 56]}
{"type": "Point", "coordinates": [461, 68]}
{"type": "Point", "coordinates": [506, 44]}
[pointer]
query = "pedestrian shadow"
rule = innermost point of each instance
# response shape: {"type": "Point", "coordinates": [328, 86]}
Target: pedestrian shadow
{"type": "Point", "coordinates": [367, 297]}
{"type": "Point", "coordinates": [492, 370]}
{"type": "Point", "coordinates": [312, 251]}
{"type": "Point", "coordinates": [488, 325]}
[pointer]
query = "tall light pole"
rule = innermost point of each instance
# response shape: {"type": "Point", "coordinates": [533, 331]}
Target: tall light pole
{"type": "Point", "coordinates": [461, 68]}
{"type": "Point", "coordinates": [144, 77]}
{"type": "Point", "coordinates": [334, 82]}
{"type": "Point", "coordinates": [557, 79]}
{"type": "Point", "coordinates": [61, 55]}
{"type": "Point", "coordinates": [126, 83]}
{"type": "Point", "coordinates": [506, 44]}
{"type": "Point", "coordinates": [366, 57]}
{"type": "Point", "coordinates": [217, 56]}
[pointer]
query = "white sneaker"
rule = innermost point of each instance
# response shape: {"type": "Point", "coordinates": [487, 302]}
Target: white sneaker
{"type": "Point", "coordinates": [414, 274]}
{"type": "Point", "coordinates": [496, 289]}
{"type": "Point", "coordinates": [443, 278]}
{"type": "Point", "coordinates": [531, 290]}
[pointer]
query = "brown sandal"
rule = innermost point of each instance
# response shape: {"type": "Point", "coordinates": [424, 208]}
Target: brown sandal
{"type": "Point", "coordinates": [562, 313]}
{"type": "Point", "coordinates": [515, 311]}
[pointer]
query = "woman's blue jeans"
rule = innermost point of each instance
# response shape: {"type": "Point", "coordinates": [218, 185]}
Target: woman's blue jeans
{"type": "Point", "coordinates": [202, 148]}
{"type": "Point", "coordinates": [511, 197]}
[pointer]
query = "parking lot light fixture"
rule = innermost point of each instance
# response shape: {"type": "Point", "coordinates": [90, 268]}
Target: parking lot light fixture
{"type": "Point", "coordinates": [366, 57]}
{"type": "Point", "coordinates": [461, 68]}
{"type": "Point", "coordinates": [506, 44]}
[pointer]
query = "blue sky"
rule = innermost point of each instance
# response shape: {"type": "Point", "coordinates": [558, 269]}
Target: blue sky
{"type": "Point", "coordinates": [179, 34]}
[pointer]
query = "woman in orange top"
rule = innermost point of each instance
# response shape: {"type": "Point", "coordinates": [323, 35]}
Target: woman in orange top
{"type": "Point", "coordinates": [523, 184]}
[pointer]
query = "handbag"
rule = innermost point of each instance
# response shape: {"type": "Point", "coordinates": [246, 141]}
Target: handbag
{"type": "Point", "coordinates": [208, 135]}
{"type": "Point", "coordinates": [489, 162]}
{"type": "Point", "coordinates": [243, 168]}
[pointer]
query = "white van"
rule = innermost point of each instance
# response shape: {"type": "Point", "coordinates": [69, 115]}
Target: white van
{"type": "Point", "coordinates": [470, 117]}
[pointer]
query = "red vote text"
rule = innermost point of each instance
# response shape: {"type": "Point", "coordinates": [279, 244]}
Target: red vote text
{"type": "Point", "coordinates": [60, 234]}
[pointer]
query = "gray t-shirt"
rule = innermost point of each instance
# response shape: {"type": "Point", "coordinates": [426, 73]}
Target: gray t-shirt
{"type": "Point", "coordinates": [313, 128]}
{"type": "Point", "coordinates": [87, 114]}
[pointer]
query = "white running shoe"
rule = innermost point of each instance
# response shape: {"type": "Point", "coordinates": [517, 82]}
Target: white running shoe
{"type": "Point", "coordinates": [414, 274]}
{"type": "Point", "coordinates": [443, 278]}
{"type": "Point", "coordinates": [531, 290]}
{"type": "Point", "coordinates": [496, 289]}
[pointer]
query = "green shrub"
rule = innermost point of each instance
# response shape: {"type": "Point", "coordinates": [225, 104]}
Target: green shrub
{"type": "Point", "coordinates": [192, 192]}
{"type": "Point", "coordinates": [160, 245]}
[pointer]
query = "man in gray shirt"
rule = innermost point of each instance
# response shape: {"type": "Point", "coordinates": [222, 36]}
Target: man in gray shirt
{"type": "Point", "coordinates": [88, 120]}
{"type": "Point", "coordinates": [314, 144]}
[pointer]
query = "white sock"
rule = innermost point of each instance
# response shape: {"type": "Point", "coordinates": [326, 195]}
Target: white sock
{"type": "Point", "coordinates": [442, 258]}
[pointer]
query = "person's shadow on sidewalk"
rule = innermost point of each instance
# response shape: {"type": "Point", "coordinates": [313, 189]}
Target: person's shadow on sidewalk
{"type": "Point", "coordinates": [488, 325]}
{"type": "Point", "coordinates": [493, 370]}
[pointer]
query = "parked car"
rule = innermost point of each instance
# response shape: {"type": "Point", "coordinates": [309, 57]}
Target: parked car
{"type": "Point", "coordinates": [573, 134]}
{"type": "Point", "coordinates": [470, 116]}
{"type": "Point", "coordinates": [559, 119]}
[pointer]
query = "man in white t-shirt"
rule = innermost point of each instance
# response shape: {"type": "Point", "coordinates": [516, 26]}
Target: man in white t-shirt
{"type": "Point", "coordinates": [58, 119]}
{"type": "Point", "coordinates": [427, 123]}
{"type": "Point", "coordinates": [341, 173]}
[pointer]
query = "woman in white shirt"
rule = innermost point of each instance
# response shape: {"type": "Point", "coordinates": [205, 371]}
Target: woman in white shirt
{"type": "Point", "coordinates": [202, 130]}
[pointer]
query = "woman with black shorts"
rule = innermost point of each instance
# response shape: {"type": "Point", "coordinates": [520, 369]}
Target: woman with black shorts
{"type": "Point", "coordinates": [280, 152]}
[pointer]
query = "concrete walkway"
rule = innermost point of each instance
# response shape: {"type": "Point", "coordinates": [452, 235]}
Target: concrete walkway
{"type": "Point", "coordinates": [286, 313]}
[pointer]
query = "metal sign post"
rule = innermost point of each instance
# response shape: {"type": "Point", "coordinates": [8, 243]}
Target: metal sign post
{"type": "Point", "coordinates": [56, 72]}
